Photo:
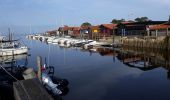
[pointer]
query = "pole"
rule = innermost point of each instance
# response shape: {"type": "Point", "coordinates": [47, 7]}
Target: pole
{"type": "Point", "coordinates": [39, 64]}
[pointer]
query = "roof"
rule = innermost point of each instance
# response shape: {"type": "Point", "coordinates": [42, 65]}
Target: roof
{"type": "Point", "coordinates": [156, 27]}
{"type": "Point", "coordinates": [110, 26]}
{"type": "Point", "coordinates": [76, 28]}
{"type": "Point", "coordinates": [66, 28]}
{"type": "Point", "coordinates": [145, 23]}
{"type": "Point", "coordinates": [95, 27]}
{"type": "Point", "coordinates": [52, 31]}
{"type": "Point", "coordinates": [85, 27]}
{"type": "Point", "coordinates": [127, 22]}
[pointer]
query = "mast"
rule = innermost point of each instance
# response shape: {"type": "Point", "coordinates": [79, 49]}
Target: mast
{"type": "Point", "coordinates": [9, 34]}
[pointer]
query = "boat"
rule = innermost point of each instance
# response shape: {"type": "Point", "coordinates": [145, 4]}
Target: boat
{"type": "Point", "coordinates": [92, 44]}
{"type": "Point", "coordinates": [55, 40]}
{"type": "Point", "coordinates": [80, 43]}
{"type": "Point", "coordinates": [11, 47]}
{"type": "Point", "coordinates": [50, 39]}
{"type": "Point", "coordinates": [13, 51]}
{"type": "Point", "coordinates": [62, 40]}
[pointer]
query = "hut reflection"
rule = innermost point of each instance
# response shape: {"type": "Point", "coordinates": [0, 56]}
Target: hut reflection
{"type": "Point", "coordinates": [145, 59]}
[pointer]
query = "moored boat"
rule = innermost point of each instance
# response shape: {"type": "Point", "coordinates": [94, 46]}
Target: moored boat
{"type": "Point", "coordinates": [13, 51]}
{"type": "Point", "coordinates": [12, 47]}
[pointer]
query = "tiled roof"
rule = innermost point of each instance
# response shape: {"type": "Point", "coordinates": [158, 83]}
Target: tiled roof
{"type": "Point", "coordinates": [95, 27]}
{"type": "Point", "coordinates": [76, 28]}
{"type": "Point", "coordinates": [66, 28]}
{"type": "Point", "coordinates": [156, 27]}
{"type": "Point", "coordinates": [110, 26]}
{"type": "Point", "coordinates": [85, 27]}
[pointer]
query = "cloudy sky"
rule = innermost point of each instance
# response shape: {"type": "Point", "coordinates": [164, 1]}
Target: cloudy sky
{"type": "Point", "coordinates": [75, 12]}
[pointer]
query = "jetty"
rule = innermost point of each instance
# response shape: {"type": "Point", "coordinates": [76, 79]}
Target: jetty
{"type": "Point", "coordinates": [28, 84]}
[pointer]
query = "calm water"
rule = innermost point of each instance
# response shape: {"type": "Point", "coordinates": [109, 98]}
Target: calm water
{"type": "Point", "coordinates": [93, 76]}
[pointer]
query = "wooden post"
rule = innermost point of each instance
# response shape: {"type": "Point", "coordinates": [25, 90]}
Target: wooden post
{"type": "Point", "coordinates": [156, 33]}
{"type": "Point", "coordinates": [39, 65]}
{"type": "Point", "coordinates": [148, 32]}
{"type": "Point", "coordinates": [113, 35]}
{"type": "Point", "coordinates": [167, 32]}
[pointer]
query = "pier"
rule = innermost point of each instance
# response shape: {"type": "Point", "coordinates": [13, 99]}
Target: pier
{"type": "Point", "coordinates": [28, 84]}
{"type": "Point", "coordinates": [30, 89]}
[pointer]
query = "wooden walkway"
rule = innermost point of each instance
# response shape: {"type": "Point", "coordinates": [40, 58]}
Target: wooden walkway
{"type": "Point", "coordinates": [30, 89]}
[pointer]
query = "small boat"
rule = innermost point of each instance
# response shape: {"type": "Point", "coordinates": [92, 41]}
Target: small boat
{"type": "Point", "coordinates": [79, 43]}
{"type": "Point", "coordinates": [11, 47]}
{"type": "Point", "coordinates": [92, 44]}
{"type": "Point", "coordinates": [56, 86]}
{"type": "Point", "coordinates": [55, 40]}
{"type": "Point", "coordinates": [13, 51]}
{"type": "Point", "coordinates": [50, 39]}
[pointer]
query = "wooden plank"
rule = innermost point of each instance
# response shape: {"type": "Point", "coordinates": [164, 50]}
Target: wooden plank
{"type": "Point", "coordinates": [30, 89]}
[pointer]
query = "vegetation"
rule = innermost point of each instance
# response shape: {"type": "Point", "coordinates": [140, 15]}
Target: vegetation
{"type": "Point", "coordinates": [166, 42]}
{"type": "Point", "coordinates": [86, 24]}
{"type": "Point", "coordinates": [142, 19]}
{"type": "Point", "coordinates": [116, 21]}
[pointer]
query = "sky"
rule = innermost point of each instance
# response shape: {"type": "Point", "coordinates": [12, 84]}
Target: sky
{"type": "Point", "coordinates": [54, 13]}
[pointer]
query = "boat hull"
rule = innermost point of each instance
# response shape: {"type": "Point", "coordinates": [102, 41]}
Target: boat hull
{"type": "Point", "coordinates": [13, 51]}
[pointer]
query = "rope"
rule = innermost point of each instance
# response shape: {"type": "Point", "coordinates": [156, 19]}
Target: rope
{"type": "Point", "coordinates": [22, 86]}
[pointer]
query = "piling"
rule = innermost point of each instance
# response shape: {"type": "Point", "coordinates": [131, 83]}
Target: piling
{"type": "Point", "coordinates": [39, 65]}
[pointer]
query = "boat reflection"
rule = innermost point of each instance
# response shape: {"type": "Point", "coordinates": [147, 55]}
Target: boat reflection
{"type": "Point", "coordinates": [14, 61]}
{"type": "Point", "coordinates": [10, 59]}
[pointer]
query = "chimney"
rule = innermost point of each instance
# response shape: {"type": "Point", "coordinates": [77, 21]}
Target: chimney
{"type": "Point", "coordinates": [169, 18]}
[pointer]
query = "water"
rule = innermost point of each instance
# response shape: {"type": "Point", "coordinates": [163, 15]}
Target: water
{"type": "Point", "coordinates": [93, 76]}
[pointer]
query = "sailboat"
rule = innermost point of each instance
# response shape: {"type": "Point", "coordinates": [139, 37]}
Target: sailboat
{"type": "Point", "coordinates": [11, 47]}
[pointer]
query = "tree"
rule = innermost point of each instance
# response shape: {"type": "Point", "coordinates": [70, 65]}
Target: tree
{"type": "Point", "coordinates": [142, 19]}
{"type": "Point", "coordinates": [116, 21]}
{"type": "Point", "coordinates": [86, 24]}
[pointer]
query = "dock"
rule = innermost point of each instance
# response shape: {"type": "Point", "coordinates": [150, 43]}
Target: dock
{"type": "Point", "coordinates": [30, 89]}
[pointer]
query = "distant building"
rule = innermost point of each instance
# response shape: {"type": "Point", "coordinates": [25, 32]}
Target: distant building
{"type": "Point", "coordinates": [95, 30]}
{"type": "Point", "coordinates": [76, 32]}
{"type": "Point", "coordinates": [159, 30]}
{"type": "Point", "coordinates": [85, 32]}
{"type": "Point", "coordinates": [69, 31]}
{"type": "Point", "coordinates": [52, 33]}
{"type": "Point", "coordinates": [64, 31]}
{"type": "Point", "coordinates": [136, 28]}
{"type": "Point", "coordinates": [106, 30]}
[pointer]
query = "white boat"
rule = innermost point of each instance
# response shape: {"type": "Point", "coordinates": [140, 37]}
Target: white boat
{"type": "Point", "coordinates": [61, 41]}
{"type": "Point", "coordinates": [50, 39]}
{"type": "Point", "coordinates": [91, 44]}
{"type": "Point", "coordinates": [55, 40]}
{"type": "Point", "coordinates": [13, 51]}
{"type": "Point", "coordinates": [12, 47]}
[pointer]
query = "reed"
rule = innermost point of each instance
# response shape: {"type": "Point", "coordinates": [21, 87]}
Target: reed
{"type": "Point", "coordinates": [149, 42]}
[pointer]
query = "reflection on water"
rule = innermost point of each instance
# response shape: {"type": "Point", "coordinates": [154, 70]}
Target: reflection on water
{"type": "Point", "coordinates": [145, 59]}
{"type": "Point", "coordinates": [14, 59]}
{"type": "Point", "coordinates": [107, 73]}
